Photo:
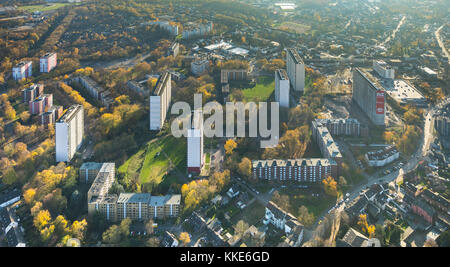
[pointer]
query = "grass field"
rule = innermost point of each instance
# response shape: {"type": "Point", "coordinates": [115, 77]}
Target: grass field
{"type": "Point", "coordinates": [293, 27]}
{"type": "Point", "coordinates": [263, 89]}
{"type": "Point", "coordinates": [44, 7]}
{"type": "Point", "coordinates": [251, 214]}
{"type": "Point", "coordinates": [152, 163]}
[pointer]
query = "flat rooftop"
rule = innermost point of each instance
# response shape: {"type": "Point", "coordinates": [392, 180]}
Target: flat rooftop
{"type": "Point", "coordinates": [71, 111]}
{"type": "Point", "coordinates": [294, 162]}
{"type": "Point", "coordinates": [282, 75]}
{"type": "Point", "coordinates": [161, 84]}
{"type": "Point", "coordinates": [402, 91]}
{"type": "Point", "coordinates": [49, 55]}
{"type": "Point", "coordinates": [294, 54]}
{"type": "Point", "coordinates": [367, 74]}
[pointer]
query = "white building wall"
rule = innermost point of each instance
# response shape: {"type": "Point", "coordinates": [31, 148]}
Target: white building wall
{"type": "Point", "coordinates": [155, 113]}
{"type": "Point", "coordinates": [296, 73]}
{"type": "Point", "coordinates": [194, 148]}
{"type": "Point", "coordinates": [282, 91]}
{"type": "Point", "coordinates": [62, 142]}
{"type": "Point", "coordinates": [69, 136]}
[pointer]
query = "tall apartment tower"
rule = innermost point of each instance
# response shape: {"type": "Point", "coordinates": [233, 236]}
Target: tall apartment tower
{"type": "Point", "coordinates": [48, 62]}
{"type": "Point", "coordinates": [32, 92]}
{"type": "Point", "coordinates": [69, 133]}
{"type": "Point", "coordinates": [22, 70]}
{"type": "Point", "coordinates": [369, 95]}
{"type": "Point", "coordinates": [282, 88]}
{"type": "Point", "coordinates": [160, 102]}
{"type": "Point", "coordinates": [295, 70]}
{"type": "Point", "coordinates": [195, 159]}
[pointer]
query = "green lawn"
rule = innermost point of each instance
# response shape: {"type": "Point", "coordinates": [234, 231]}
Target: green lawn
{"type": "Point", "coordinates": [251, 214]}
{"type": "Point", "coordinates": [261, 91]}
{"type": "Point", "coordinates": [44, 7]}
{"type": "Point", "coordinates": [151, 164]}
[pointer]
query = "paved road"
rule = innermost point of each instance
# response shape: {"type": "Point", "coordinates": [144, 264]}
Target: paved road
{"type": "Point", "coordinates": [441, 44]}
{"type": "Point", "coordinates": [410, 164]}
{"type": "Point", "coordinates": [392, 36]}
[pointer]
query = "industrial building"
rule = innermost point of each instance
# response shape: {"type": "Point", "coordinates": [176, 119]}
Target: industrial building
{"type": "Point", "coordinates": [299, 170]}
{"type": "Point", "coordinates": [69, 133]}
{"type": "Point", "coordinates": [295, 70]}
{"type": "Point", "coordinates": [22, 70]}
{"type": "Point", "coordinates": [160, 101]}
{"type": "Point", "coordinates": [195, 158]}
{"type": "Point", "coordinates": [282, 88]}
{"type": "Point", "coordinates": [404, 93]}
{"type": "Point", "coordinates": [368, 94]}
{"type": "Point", "coordinates": [48, 62]}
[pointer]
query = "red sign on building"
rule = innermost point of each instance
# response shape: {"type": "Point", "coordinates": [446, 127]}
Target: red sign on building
{"type": "Point", "coordinates": [380, 102]}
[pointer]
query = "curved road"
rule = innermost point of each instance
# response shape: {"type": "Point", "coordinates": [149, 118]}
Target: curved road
{"type": "Point", "coordinates": [440, 42]}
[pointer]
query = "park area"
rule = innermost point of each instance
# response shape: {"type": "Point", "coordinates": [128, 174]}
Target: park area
{"type": "Point", "coordinates": [43, 7]}
{"type": "Point", "coordinates": [256, 92]}
{"type": "Point", "coordinates": [158, 164]}
{"type": "Point", "coordinates": [293, 27]}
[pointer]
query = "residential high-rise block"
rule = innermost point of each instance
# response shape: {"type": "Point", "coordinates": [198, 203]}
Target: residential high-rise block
{"type": "Point", "coordinates": [52, 115]}
{"type": "Point", "coordinates": [22, 70]}
{"type": "Point", "coordinates": [69, 133]}
{"type": "Point", "coordinates": [295, 70]}
{"type": "Point", "coordinates": [195, 159]}
{"type": "Point", "coordinates": [282, 88]}
{"type": "Point", "coordinates": [160, 102]}
{"type": "Point", "coordinates": [32, 92]}
{"type": "Point", "coordinates": [369, 95]}
{"type": "Point", "coordinates": [48, 62]}
{"type": "Point", "coordinates": [41, 104]}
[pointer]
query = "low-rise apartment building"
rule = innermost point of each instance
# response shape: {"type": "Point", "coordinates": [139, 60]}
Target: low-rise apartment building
{"type": "Point", "coordinates": [97, 92]}
{"type": "Point", "coordinates": [136, 206]}
{"type": "Point", "coordinates": [299, 170]}
{"type": "Point", "coordinates": [338, 127]}
{"type": "Point", "coordinates": [327, 145]}
{"type": "Point", "coordinates": [383, 156]}
{"type": "Point", "coordinates": [199, 67]}
{"type": "Point", "coordinates": [284, 221]}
